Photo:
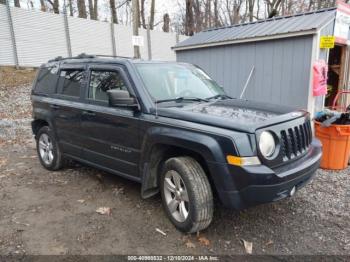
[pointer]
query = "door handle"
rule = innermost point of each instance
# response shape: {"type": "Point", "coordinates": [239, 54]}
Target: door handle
{"type": "Point", "coordinates": [54, 106]}
{"type": "Point", "coordinates": [89, 113]}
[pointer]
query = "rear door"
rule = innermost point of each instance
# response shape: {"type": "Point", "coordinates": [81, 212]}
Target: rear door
{"type": "Point", "coordinates": [111, 133]}
{"type": "Point", "coordinates": [68, 108]}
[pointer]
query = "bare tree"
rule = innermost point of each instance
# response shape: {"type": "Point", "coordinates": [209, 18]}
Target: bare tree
{"type": "Point", "coordinates": [216, 14]}
{"type": "Point", "coordinates": [189, 22]}
{"type": "Point", "coordinates": [234, 12]}
{"type": "Point", "coordinates": [55, 6]}
{"type": "Point", "coordinates": [113, 11]}
{"type": "Point", "coordinates": [151, 20]}
{"type": "Point", "coordinates": [42, 6]}
{"type": "Point", "coordinates": [198, 15]}
{"type": "Point", "coordinates": [166, 23]}
{"type": "Point", "coordinates": [70, 3]}
{"type": "Point", "coordinates": [82, 9]}
{"type": "Point", "coordinates": [142, 13]}
{"type": "Point", "coordinates": [273, 7]}
{"type": "Point", "coordinates": [17, 3]}
{"type": "Point", "coordinates": [93, 9]}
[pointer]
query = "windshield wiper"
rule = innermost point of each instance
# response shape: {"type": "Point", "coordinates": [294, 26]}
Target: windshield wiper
{"type": "Point", "coordinates": [182, 98]}
{"type": "Point", "coordinates": [219, 96]}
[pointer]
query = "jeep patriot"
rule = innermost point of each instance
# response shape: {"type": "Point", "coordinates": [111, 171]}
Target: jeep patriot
{"type": "Point", "coordinates": [173, 129]}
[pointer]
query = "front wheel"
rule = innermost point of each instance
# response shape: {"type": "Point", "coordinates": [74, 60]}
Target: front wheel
{"type": "Point", "coordinates": [186, 194]}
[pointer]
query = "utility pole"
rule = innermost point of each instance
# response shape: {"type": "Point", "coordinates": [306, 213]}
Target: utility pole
{"type": "Point", "coordinates": [149, 42]}
{"type": "Point", "coordinates": [135, 25]}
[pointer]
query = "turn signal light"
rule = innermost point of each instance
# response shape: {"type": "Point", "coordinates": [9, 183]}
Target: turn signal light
{"type": "Point", "coordinates": [243, 161]}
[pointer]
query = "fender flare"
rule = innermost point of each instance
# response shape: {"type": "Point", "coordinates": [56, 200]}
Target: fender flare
{"type": "Point", "coordinates": [202, 144]}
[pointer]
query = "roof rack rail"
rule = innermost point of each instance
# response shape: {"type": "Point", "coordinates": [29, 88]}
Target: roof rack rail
{"type": "Point", "coordinates": [115, 56]}
{"type": "Point", "coordinates": [80, 56]}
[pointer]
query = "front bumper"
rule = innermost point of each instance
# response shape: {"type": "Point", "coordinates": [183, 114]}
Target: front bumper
{"type": "Point", "coordinates": [259, 184]}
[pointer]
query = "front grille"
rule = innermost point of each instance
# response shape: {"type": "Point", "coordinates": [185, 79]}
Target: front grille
{"type": "Point", "coordinates": [295, 140]}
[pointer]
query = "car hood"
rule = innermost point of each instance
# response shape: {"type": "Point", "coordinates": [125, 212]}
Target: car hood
{"type": "Point", "coordinates": [235, 114]}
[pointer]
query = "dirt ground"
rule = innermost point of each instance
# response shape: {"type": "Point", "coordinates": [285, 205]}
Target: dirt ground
{"type": "Point", "coordinates": [44, 212]}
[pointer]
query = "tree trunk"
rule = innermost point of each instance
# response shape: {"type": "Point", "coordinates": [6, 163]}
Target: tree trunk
{"type": "Point", "coordinates": [251, 10]}
{"type": "Point", "coordinates": [113, 11]}
{"type": "Point", "coordinates": [56, 7]}
{"type": "Point", "coordinates": [91, 9]}
{"type": "Point", "coordinates": [142, 13]}
{"type": "Point", "coordinates": [189, 26]}
{"type": "Point", "coordinates": [166, 23]}
{"type": "Point", "coordinates": [216, 14]}
{"type": "Point", "coordinates": [70, 2]}
{"type": "Point", "coordinates": [96, 9]}
{"type": "Point", "coordinates": [3, 2]}
{"type": "Point", "coordinates": [82, 9]}
{"type": "Point", "coordinates": [151, 20]}
{"type": "Point", "coordinates": [17, 3]}
{"type": "Point", "coordinates": [198, 15]}
{"type": "Point", "coordinates": [135, 25]}
{"type": "Point", "coordinates": [42, 6]}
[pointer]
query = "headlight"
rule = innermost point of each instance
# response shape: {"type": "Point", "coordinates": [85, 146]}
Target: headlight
{"type": "Point", "coordinates": [267, 144]}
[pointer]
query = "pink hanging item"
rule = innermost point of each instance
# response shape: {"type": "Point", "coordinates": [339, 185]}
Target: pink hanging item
{"type": "Point", "coordinates": [320, 70]}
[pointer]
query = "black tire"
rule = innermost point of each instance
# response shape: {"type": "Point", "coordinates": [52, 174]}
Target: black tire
{"type": "Point", "coordinates": [199, 194]}
{"type": "Point", "coordinates": [58, 161]}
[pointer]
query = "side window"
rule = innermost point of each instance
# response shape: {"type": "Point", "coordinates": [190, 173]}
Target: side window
{"type": "Point", "coordinates": [101, 81]}
{"type": "Point", "coordinates": [46, 80]}
{"type": "Point", "coordinates": [70, 82]}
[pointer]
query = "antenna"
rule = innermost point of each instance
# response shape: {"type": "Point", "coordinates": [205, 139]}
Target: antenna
{"type": "Point", "coordinates": [247, 82]}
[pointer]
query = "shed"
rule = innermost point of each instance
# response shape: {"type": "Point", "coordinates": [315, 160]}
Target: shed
{"type": "Point", "coordinates": [280, 52]}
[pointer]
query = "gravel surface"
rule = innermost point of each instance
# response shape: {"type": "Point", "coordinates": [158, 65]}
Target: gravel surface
{"type": "Point", "coordinates": [44, 212]}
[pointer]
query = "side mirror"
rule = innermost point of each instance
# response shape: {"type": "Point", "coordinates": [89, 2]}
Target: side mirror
{"type": "Point", "coordinates": [121, 98]}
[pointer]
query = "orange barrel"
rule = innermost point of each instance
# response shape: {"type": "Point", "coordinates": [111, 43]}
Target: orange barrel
{"type": "Point", "coordinates": [336, 145]}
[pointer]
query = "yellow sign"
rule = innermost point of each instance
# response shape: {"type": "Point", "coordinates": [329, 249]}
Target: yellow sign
{"type": "Point", "coordinates": [327, 41]}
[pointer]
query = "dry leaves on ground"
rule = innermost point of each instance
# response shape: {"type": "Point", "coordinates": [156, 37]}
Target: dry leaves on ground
{"type": "Point", "coordinates": [203, 241]}
{"type": "Point", "coordinates": [189, 244]}
{"type": "Point", "coordinates": [3, 162]}
{"type": "Point", "coordinates": [248, 246]}
{"type": "Point", "coordinates": [104, 210]}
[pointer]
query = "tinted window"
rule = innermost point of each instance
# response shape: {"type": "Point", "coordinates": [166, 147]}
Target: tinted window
{"type": "Point", "coordinates": [101, 81]}
{"type": "Point", "coordinates": [47, 80]}
{"type": "Point", "coordinates": [70, 81]}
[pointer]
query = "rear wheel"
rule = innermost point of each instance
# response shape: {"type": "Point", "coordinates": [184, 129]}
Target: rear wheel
{"type": "Point", "coordinates": [186, 194]}
{"type": "Point", "coordinates": [48, 151]}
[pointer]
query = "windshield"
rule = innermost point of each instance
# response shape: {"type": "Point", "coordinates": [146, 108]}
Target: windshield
{"type": "Point", "coordinates": [171, 81]}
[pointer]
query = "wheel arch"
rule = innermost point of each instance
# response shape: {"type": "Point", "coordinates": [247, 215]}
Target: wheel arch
{"type": "Point", "coordinates": [157, 148]}
{"type": "Point", "coordinates": [39, 123]}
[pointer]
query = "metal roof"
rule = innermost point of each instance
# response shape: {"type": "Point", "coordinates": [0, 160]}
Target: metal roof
{"type": "Point", "coordinates": [304, 23]}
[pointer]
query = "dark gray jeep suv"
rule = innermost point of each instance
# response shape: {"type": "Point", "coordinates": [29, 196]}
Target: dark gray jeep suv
{"type": "Point", "coordinates": [170, 127]}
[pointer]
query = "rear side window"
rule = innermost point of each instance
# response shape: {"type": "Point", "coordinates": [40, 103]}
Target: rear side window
{"type": "Point", "coordinates": [46, 80]}
{"type": "Point", "coordinates": [70, 82]}
{"type": "Point", "coordinates": [102, 81]}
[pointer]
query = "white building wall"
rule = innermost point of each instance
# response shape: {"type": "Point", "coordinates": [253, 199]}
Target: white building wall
{"type": "Point", "coordinates": [41, 36]}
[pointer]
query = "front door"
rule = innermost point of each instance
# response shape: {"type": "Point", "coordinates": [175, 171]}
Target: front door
{"type": "Point", "coordinates": [111, 134]}
{"type": "Point", "coordinates": [67, 107]}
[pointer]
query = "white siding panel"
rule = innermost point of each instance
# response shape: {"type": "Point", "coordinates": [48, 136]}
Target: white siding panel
{"type": "Point", "coordinates": [90, 37]}
{"type": "Point", "coordinates": [144, 48]}
{"type": "Point", "coordinates": [123, 35]}
{"type": "Point", "coordinates": [6, 52]}
{"type": "Point", "coordinates": [161, 46]}
{"type": "Point", "coordinates": [39, 36]}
